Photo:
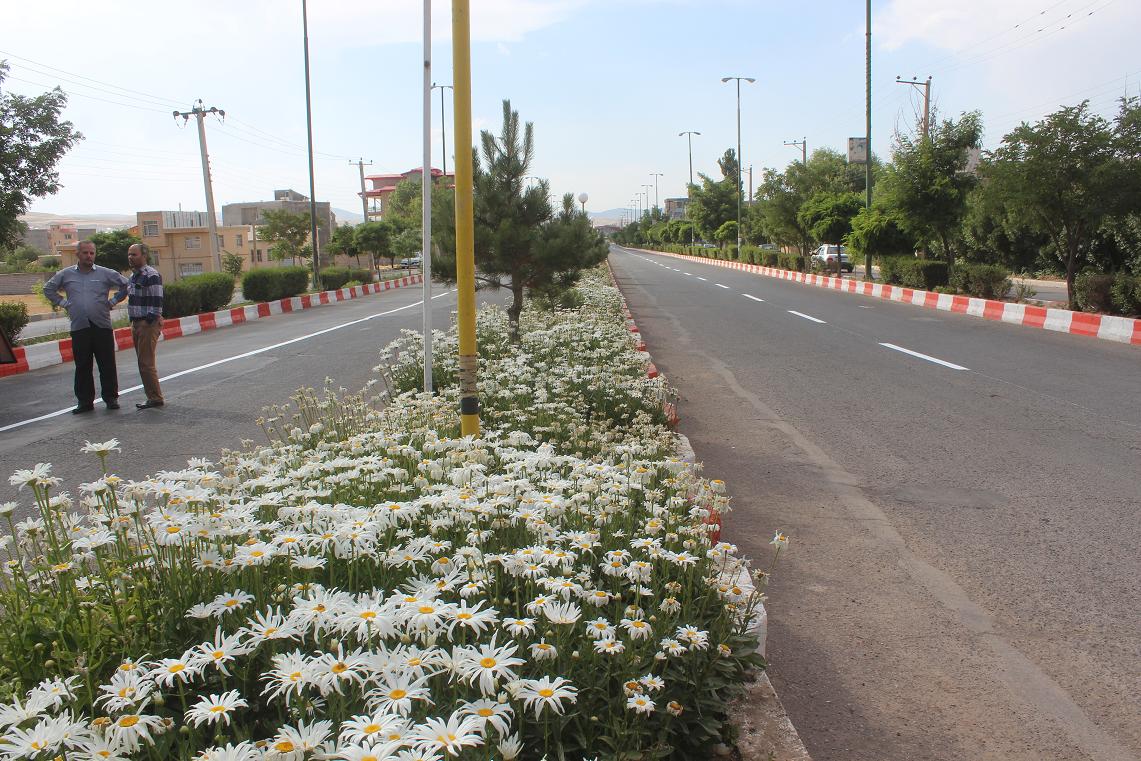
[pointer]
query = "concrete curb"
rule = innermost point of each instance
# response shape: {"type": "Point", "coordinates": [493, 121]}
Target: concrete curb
{"type": "Point", "coordinates": [50, 353]}
{"type": "Point", "coordinates": [1106, 327]}
{"type": "Point", "coordinates": [766, 732]}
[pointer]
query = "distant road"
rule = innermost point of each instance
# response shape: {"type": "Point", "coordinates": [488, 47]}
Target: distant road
{"type": "Point", "coordinates": [963, 498]}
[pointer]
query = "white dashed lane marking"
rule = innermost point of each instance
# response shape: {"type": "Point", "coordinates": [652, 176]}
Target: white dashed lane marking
{"type": "Point", "coordinates": [806, 316]}
{"type": "Point", "coordinates": [754, 298]}
{"type": "Point", "coordinates": [927, 357]}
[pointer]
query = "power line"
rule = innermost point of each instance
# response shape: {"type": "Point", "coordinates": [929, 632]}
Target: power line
{"type": "Point", "coordinates": [148, 96]}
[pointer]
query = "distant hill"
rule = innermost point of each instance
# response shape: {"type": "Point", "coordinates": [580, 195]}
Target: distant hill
{"type": "Point", "coordinates": [608, 217]}
{"type": "Point", "coordinates": [36, 219]}
{"type": "Point", "coordinates": [344, 216]}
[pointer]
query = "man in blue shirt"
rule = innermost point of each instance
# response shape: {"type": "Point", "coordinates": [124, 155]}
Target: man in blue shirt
{"type": "Point", "coordinates": [86, 286]}
{"type": "Point", "coordinates": [144, 307]}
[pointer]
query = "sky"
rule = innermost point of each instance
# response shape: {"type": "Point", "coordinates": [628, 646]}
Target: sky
{"type": "Point", "coordinates": [608, 85]}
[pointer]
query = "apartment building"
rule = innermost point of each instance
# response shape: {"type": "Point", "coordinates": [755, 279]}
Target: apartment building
{"type": "Point", "coordinates": [383, 186]}
{"type": "Point", "coordinates": [179, 242]}
{"type": "Point", "coordinates": [249, 213]}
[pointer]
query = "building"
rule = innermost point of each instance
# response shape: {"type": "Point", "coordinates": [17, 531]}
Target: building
{"type": "Point", "coordinates": [675, 208]}
{"type": "Point", "coordinates": [383, 185]}
{"type": "Point", "coordinates": [253, 212]}
{"type": "Point", "coordinates": [38, 238]}
{"type": "Point", "coordinates": [178, 241]}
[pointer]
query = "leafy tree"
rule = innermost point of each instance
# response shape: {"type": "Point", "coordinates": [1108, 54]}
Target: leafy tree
{"type": "Point", "coordinates": [32, 141]}
{"type": "Point", "coordinates": [928, 183]}
{"type": "Point", "coordinates": [878, 233]}
{"type": "Point", "coordinates": [520, 243]}
{"type": "Point", "coordinates": [23, 256]}
{"type": "Point", "coordinates": [343, 243]}
{"type": "Point", "coordinates": [375, 239]}
{"type": "Point", "coordinates": [1068, 173]}
{"type": "Point", "coordinates": [714, 202]}
{"type": "Point", "coordinates": [290, 233]}
{"type": "Point", "coordinates": [828, 216]}
{"type": "Point", "coordinates": [111, 249]}
{"type": "Point", "coordinates": [726, 233]}
{"type": "Point", "coordinates": [232, 263]}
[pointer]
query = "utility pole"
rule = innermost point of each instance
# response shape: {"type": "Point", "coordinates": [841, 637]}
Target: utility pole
{"type": "Point", "coordinates": [443, 128]}
{"type": "Point", "coordinates": [656, 175]}
{"type": "Point", "coordinates": [426, 196]}
{"type": "Point", "coordinates": [361, 164]}
{"type": "Point", "coordinates": [309, 126]}
{"type": "Point", "coordinates": [199, 112]}
{"type": "Point", "coordinates": [465, 224]}
{"type": "Point", "coordinates": [802, 143]}
{"type": "Point", "coordinates": [750, 201]}
{"type": "Point", "coordinates": [926, 85]}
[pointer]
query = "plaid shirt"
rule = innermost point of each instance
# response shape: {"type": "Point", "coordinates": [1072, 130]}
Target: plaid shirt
{"type": "Point", "coordinates": [144, 294]}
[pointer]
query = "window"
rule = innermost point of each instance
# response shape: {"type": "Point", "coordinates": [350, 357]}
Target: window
{"type": "Point", "coordinates": [253, 257]}
{"type": "Point", "coordinates": [259, 254]}
{"type": "Point", "coordinates": [192, 242]}
{"type": "Point", "coordinates": [221, 243]}
{"type": "Point", "coordinates": [239, 240]}
{"type": "Point", "coordinates": [150, 228]}
{"type": "Point", "coordinates": [192, 268]}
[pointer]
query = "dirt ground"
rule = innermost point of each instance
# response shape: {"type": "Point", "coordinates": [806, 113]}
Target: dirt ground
{"type": "Point", "coordinates": [34, 303]}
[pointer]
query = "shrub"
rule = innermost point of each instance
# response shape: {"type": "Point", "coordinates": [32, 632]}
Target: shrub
{"type": "Point", "coordinates": [985, 281]}
{"type": "Point", "coordinates": [1092, 292]}
{"type": "Point", "coordinates": [294, 281]}
{"type": "Point", "coordinates": [360, 275]}
{"type": "Point", "coordinates": [215, 290]}
{"type": "Point", "coordinates": [13, 319]}
{"type": "Point", "coordinates": [275, 283]}
{"type": "Point", "coordinates": [770, 258]}
{"type": "Point", "coordinates": [790, 260]}
{"type": "Point", "coordinates": [180, 298]}
{"type": "Point", "coordinates": [910, 272]}
{"type": "Point", "coordinates": [1125, 293]}
{"type": "Point", "coordinates": [333, 278]}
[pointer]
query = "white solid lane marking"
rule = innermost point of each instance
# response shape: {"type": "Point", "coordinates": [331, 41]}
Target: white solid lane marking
{"type": "Point", "coordinates": [721, 286]}
{"type": "Point", "coordinates": [215, 363]}
{"type": "Point", "coordinates": [754, 298]}
{"type": "Point", "coordinates": [937, 361]}
{"type": "Point", "coordinates": [806, 316]}
{"type": "Point", "coordinates": [704, 280]}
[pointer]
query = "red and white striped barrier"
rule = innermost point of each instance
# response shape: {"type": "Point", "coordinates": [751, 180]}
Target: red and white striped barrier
{"type": "Point", "coordinates": [1107, 327]}
{"type": "Point", "coordinates": [57, 352]}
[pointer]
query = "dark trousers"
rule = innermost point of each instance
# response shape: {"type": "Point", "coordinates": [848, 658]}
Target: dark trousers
{"type": "Point", "coordinates": [96, 344]}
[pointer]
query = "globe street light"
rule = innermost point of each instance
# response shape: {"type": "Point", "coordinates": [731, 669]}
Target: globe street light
{"type": "Point", "coordinates": [583, 198]}
{"type": "Point", "coordinates": [750, 80]}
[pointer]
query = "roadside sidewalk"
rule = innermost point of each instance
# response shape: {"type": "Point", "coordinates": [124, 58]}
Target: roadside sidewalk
{"type": "Point", "coordinates": [1106, 327]}
{"type": "Point", "coordinates": [58, 352]}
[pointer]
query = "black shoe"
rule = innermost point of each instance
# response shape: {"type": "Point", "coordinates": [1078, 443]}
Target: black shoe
{"type": "Point", "coordinates": [148, 404]}
{"type": "Point", "coordinates": [82, 408]}
{"type": "Point", "coordinates": [112, 405]}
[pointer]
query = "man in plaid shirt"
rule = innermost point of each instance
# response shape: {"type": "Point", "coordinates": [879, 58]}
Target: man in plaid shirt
{"type": "Point", "coordinates": [144, 308]}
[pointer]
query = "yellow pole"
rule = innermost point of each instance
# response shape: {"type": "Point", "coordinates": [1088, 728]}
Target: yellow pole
{"type": "Point", "coordinates": [465, 224]}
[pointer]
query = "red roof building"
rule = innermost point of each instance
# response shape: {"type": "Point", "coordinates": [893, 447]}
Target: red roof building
{"type": "Point", "coordinates": [383, 186]}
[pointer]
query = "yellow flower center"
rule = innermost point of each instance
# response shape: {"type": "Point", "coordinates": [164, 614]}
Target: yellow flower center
{"type": "Point", "coordinates": [368, 730]}
{"type": "Point", "coordinates": [397, 694]}
{"type": "Point", "coordinates": [295, 676]}
{"type": "Point", "coordinates": [231, 603]}
{"type": "Point", "coordinates": [426, 609]}
{"type": "Point", "coordinates": [368, 615]}
{"type": "Point", "coordinates": [217, 709]}
{"type": "Point", "coordinates": [128, 721]}
{"type": "Point", "coordinates": [176, 667]}
{"type": "Point", "coordinates": [414, 661]}
{"type": "Point", "coordinates": [172, 529]}
{"type": "Point", "coordinates": [463, 616]}
{"type": "Point", "coordinates": [546, 692]}
{"type": "Point", "coordinates": [217, 654]}
{"type": "Point", "coordinates": [487, 663]}
{"type": "Point", "coordinates": [269, 630]}
{"type": "Point", "coordinates": [485, 712]}
{"type": "Point", "coordinates": [339, 667]}
{"type": "Point", "coordinates": [284, 746]}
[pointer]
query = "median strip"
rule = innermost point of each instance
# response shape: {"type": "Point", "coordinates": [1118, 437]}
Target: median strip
{"type": "Point", "coordinates": [927, 357]}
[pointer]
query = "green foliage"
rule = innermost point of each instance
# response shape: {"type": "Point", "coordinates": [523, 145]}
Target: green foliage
{"type": "Point", "coordinates": [232, 264]}
{"type": "Point", "coordinates": [270, 284]}
{"type": "Point", "coordinates": [13, 319]}
{"type": "Point", "coordinates": [726, 233]}
{"type": "Point", "coordinates": [343, 242]}
{"type": "Point", "coordinates": [714, 202]}
{"type": "Point", "coordinates": [333, 278]}
{"type": "Point", "coordinates": [927, 186]}
{"type": "Point", "coordinates": [361, 276]}
{"type": "Point", "coordinates": [375, 238]}
{"type": "Point", "coordinates": [828, 216]}
{"type": "Point", "coordinates": [180, 299]}
{"type": "Point", "coordinates": [289, 231]}
{"type": "Point", "coordinates": [1125, 293]}
{"type": "Point", "coordinates": [111, 248]}
{"type": "Point", "coordinates": [789, 260]}
{"type": "Point", "coordinates": [1067, 174]}
{"type": "Point", "coordinates": [879, 234]}
{"type": "Point", "coordinates": [32, 141]}
{"type": "Point", "coordinates": [23, 258]}
{"type": "Point", "coordinates": [984, 281]}
{"type": "Point", "coordinates": [1092, 292]}
{"type": "Point", "coordinates": [911, 272]}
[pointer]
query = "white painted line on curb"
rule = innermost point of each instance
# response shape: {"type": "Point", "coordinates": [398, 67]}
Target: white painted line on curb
{"type": "Point", "coordinates": [937, 361]}
{"type": "Point", "coordinates": [721, 286]}
{"type": "Point", "coordinates": [215, 363]}
{"type": "Point", "coordinates": [754, 298]}
{"type": "Point", "coordinates": [807, 317]}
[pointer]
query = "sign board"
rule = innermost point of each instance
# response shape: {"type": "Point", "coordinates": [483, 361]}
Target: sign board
{"type": "Point", "coordinates": [857, 150]}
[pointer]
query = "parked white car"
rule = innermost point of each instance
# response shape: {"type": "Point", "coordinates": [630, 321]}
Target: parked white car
{"type": "Point", "coordinates": [825, 256]}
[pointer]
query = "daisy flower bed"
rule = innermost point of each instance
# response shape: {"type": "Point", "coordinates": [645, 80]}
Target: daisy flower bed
{"type": "Point", "coordinates": [372, 586]}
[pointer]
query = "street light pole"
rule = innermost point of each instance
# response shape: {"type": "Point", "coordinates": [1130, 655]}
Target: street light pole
{"type": "Point", "coordinates": [656, 175]}
{"type": "Point", "coordinates": [689, 138]}
{"type": "Point", "coordinates": [309, 126]}
{"type": "Point", "coordinates": [443, 128]}
{"type": "Point", "coordinates": [750, 80]}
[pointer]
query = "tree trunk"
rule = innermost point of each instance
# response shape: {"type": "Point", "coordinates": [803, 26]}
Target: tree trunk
{"type": "Point", "coordinates": [515, 310]}
{"type": "Point", "coordinates": [947, 252]}
{"type": "Point", "coordinates": [1071, 271]}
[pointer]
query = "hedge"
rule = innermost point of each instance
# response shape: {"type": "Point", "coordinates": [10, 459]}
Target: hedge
{"type": "Point", "coordinates": [274, 283]}
{"type": "Point", "coordinates": [984, 281]}
{"type": "Point", "coordinates": [207, 292]}
{"type": "Point", "coordinates": [1125, 293]}
{"type": "Point", "coordinates": [13, 319]}
{"type": "Point", "coordinates": [333, 278]}
{"type": "Point", "coordinates": [180, 299]}
{"type": "Point", "coordinates": [910, 272]}
{"type": "Point", "coordinates": [1092, 292]}
{"type": "Point", "coordinates": [790, 260]}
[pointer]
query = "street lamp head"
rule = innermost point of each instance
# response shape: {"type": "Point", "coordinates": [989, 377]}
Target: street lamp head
{"type": "Point", "coordinates": [725, 79]}
{"type": "Point", "coordinates": [583, 198]}
{"type": "Point", "coordinates": [750, 80]}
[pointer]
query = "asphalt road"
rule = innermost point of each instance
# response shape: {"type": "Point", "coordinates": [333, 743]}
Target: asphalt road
{"type": "Point", "coordinates": [963, 579]}
{"type": "Point", "coordinates": [224, 378]}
